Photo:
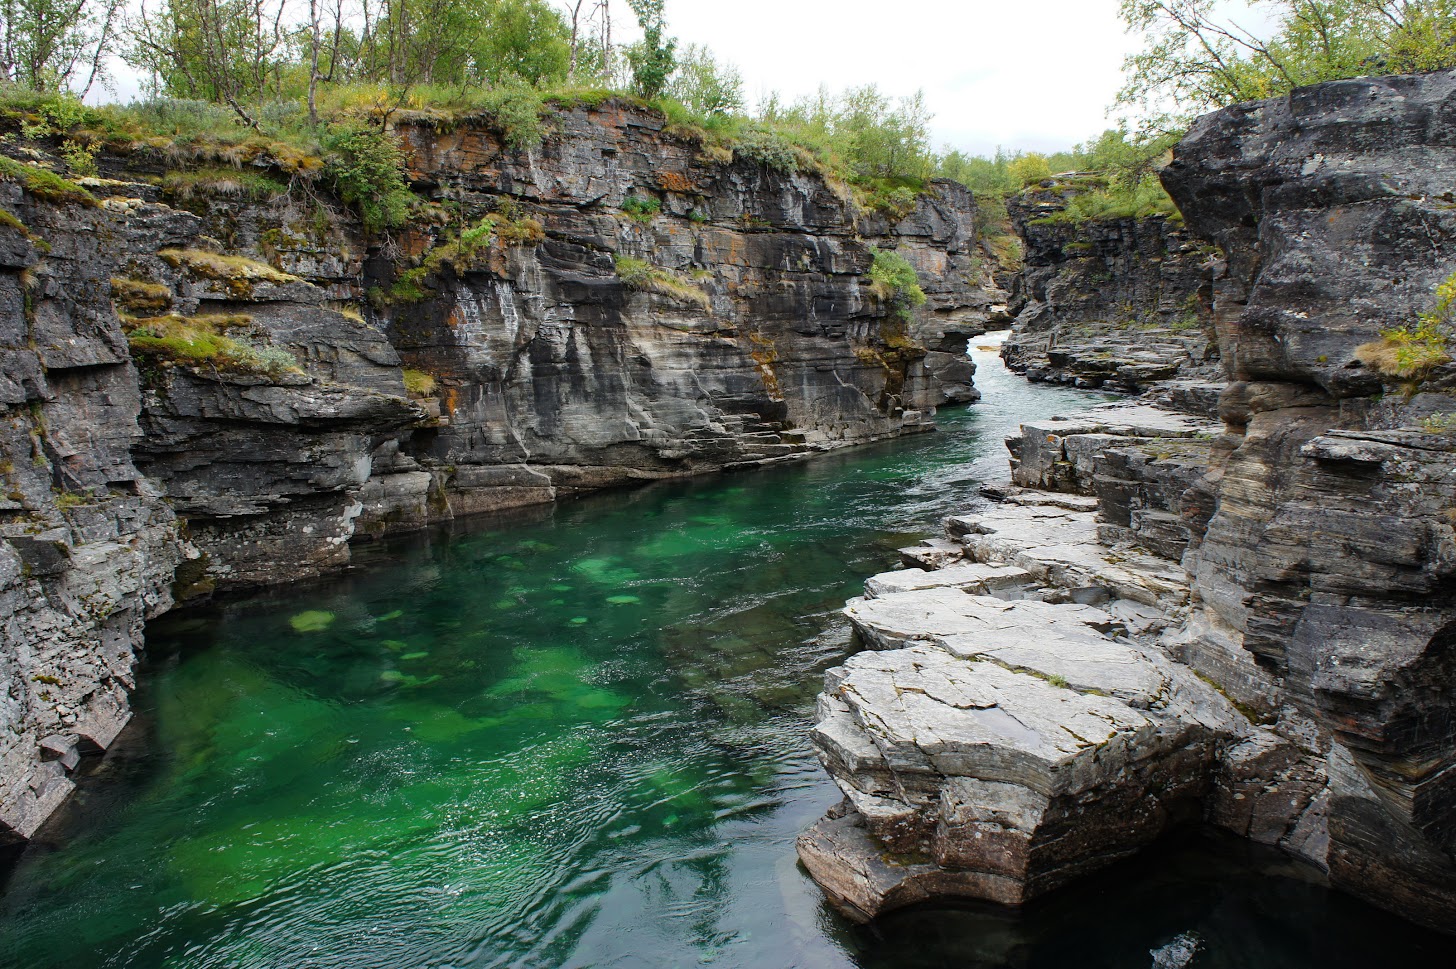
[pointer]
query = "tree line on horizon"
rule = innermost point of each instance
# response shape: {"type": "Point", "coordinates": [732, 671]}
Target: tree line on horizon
{"type": "Point", "coordinates": [289, 66]}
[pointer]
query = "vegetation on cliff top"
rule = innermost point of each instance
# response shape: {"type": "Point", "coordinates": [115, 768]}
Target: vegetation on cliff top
{"type": "Point", "coordinates": [1197, 57]}
{"type": "Point", "coordinates": [316, 92]}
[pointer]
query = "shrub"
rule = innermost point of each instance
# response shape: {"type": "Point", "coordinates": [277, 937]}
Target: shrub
{"type": "Point", "coordinates": [1406, 353]}
{"type": "Point", "coordinates": [705, 85]}
{"type": "Point", "coordinates": [80, 159]}
{"type": "Point", "coordinates": [1029, 169]}
{"type": "Point", "coordinates": [894, 280]}
{"type": "Point", "coordinates": [1443, 423]}
{"type": "Point", "coordinates": [44, 113]}
{"type": "Point", "coordinates": [1412, 352]}
{"type": "Point", "coordinates": [895, 202]}
{"type": "Point", "coordinates": [641, 208]}
{"type": "Point", "coordinates": [409, 287]}
{"type": "Point", "coordinates": [515, 112]}
{"type": "Point", "coordinates": [521, 232]}
{"type": "Point", "coordinates": [767, 148]}
{"type": "Point", "coordinates": [366, 168]}
{"type": "Point", "coordinates": [477, 235]}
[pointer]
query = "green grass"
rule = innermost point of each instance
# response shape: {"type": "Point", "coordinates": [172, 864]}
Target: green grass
{"type": "Point", "coordinates": [642, 276]}
{"type": "Point", "coordinates": [45, 184]}
{"type": "Point", "coordinates": [205, 341]}
{"type": "Point", "coordinates": [641, 208]}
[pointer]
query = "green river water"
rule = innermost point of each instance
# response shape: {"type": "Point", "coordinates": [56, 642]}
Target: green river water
{"type": "Point", "coordinates": [578, 737]}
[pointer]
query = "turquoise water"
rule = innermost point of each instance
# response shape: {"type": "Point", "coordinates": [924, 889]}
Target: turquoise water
{"type": "Point", "coordinates": [576, 737]}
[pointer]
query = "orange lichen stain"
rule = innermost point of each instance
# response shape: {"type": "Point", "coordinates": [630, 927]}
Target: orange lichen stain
{"type": "Point", "coordinates": [765, 354]}
{"type": "Point", "coordinates": [413, 244]}
{"type": "Point", "coordinates": [737, 251]}
{"type": "Point", "coordinates": [674, 182]}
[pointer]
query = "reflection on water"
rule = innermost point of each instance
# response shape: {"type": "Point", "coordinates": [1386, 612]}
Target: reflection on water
{"type": "Point", "coordinates": [575, 737]}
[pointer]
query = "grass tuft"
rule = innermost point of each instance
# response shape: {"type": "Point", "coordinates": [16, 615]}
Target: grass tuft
{"type": "Point", "coordinates": [138, 296]}
{"type": "Point", "coordinates": [45, 184]}
{"type": "Point", "coordinates": [419, 383]}
{"type": "Point", "coordinates": [221, 182]}
{"type": "Point", "coordinates": [199, 341]}
{"type": "Point", "coordinates": [645, 277]}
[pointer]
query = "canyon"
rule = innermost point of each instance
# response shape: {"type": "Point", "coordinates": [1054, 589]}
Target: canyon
{"type": "Point", "coordinates": [746, 332]}
{"type": "Point", "coordinates": [1227, 604]}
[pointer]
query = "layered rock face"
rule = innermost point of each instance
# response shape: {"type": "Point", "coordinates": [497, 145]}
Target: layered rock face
{"type": "Point", "coordinates": [631, 306]}
{"type": "Point", "coordinates": [1296, 661]}
{"type": "Point", "coordinates": [1325, 574]}
{"type": "Point", "coordinates": [87, 548]}
{"type": "Point", "coordinates": [1121, 303]}
{"type": "Point", "coordinates": [753, 337]}
{"type": "Point", "coordinates": [1016, 722]}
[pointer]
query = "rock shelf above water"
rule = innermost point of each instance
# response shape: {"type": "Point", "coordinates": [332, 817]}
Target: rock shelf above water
{"type": "Point", "coordinates": [998, 738]}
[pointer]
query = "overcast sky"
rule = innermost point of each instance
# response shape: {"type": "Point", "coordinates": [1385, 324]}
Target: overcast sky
{"type": "Point", "coordinates": [1023, 74]}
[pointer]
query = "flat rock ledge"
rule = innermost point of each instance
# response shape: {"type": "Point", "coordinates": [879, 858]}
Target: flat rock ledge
{"type": "Point", "coordinates": [1015, 722]}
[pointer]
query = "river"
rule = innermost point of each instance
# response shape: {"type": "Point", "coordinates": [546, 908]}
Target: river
{"type": "Point", "coordinates": [578, 737]}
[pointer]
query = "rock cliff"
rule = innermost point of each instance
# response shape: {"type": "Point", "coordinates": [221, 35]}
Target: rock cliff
{"type": "Point", "coordinates": [1248, 624]}
{"type": "Point", "coordinates": [210, 384]}
{"type": "Point", "coordinates": [1325, 576]}
{"type": "Point", "coordinates": [1122, 303]}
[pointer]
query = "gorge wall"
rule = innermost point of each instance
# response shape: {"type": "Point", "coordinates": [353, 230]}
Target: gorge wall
{"type": "Point", "coordinates": [1122, 303]}
{"type": "Point", "coordinates": [208, 386]}
{"type": "Point", "coordinates": [1248, 623]}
